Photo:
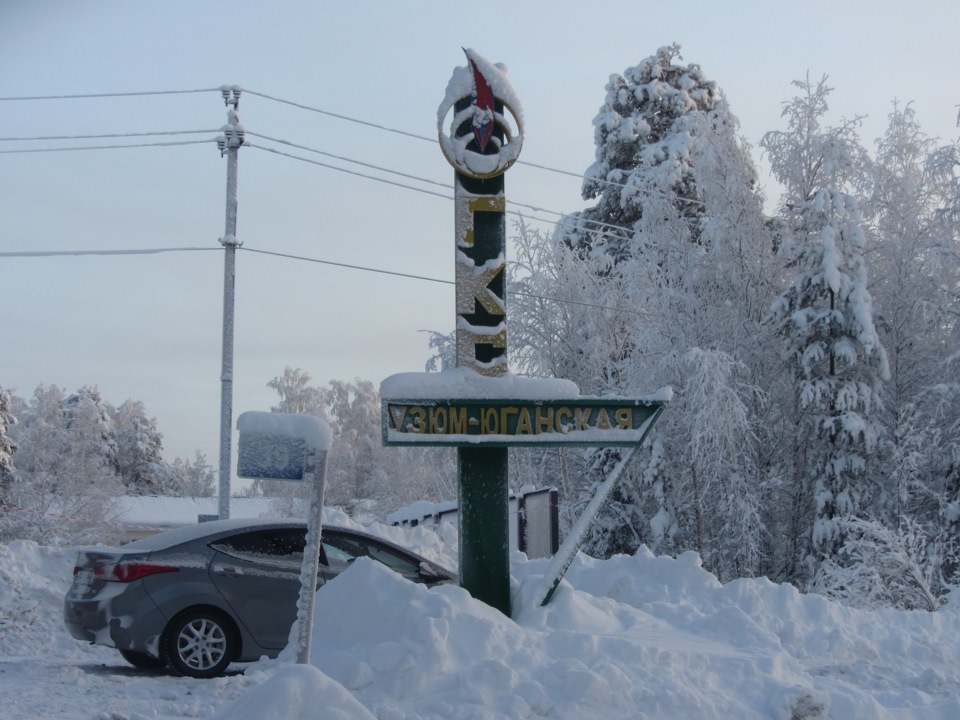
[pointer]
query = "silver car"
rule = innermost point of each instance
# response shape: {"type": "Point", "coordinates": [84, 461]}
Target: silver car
{"type": "Point", "coordinates": [202, 596]}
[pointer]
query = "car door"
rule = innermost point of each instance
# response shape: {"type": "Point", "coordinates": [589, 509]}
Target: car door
{"type": "Point", "coordinates": [258, 573]}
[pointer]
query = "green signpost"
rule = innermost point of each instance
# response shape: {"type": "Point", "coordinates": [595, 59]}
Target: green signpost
{"type": "Point", "coordinates": [482, 143]}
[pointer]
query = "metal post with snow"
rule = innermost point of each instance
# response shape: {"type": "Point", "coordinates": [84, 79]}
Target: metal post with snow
{"type": "Point", "coordinates": [281, 446]}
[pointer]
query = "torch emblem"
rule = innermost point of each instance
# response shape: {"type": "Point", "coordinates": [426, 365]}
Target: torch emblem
{"type": "Point", "coordinates": [486, 132]}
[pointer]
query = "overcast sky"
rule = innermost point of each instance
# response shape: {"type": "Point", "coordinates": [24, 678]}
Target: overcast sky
{"type": "Point", "coordinates": [148, 326]}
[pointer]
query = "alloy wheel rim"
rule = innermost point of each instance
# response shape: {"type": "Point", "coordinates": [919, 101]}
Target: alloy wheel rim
{"type": "Point", "coordinates": [201, 644]}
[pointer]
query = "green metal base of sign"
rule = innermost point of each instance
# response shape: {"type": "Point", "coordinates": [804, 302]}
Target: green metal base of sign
{"type": "Point", "coordinates": [484, 525]}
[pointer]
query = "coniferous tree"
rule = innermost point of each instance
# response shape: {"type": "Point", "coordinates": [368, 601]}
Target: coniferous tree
{"type": "Point", "coordinates": [645, 134]}
{"type": "Point", "coordinates": [667, 274]}
{"type": "Point", "coordinates": [838, 365]}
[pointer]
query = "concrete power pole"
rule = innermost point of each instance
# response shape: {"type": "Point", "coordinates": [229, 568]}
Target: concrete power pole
{"type": "Point", "coordinates": [229, 143]}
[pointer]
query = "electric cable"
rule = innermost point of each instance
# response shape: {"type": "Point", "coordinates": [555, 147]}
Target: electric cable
{"type": "Point", "coordinates": [107, 95]}
{"type": "Point", "coordinates": [139, 251]}
{"type": "Point", "coordinates": [385, 128]}
{"type": "Point", "coordinates": [441, 281]}
{"type": "Point", "coordinates": [612, 230]}
{"type": "Point", "coordinates": [303, 258]}
{"type": "Point", "coordinates": [105, 147]}
{"type": "Point", "coordinates": [106, 135]}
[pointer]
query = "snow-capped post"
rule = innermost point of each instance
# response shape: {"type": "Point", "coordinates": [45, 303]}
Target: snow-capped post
{"type": "Point", "coordinates": [281, 446]}
{"type": "Point", "coordinates": [479, 407]}
{"type": "Point", "coordinates": [228, 143]}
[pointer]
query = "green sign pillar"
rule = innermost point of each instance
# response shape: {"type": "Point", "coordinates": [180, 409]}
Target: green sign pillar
{"type": "Point", "coordinates": [481, 145]}
{"type": "Point", "coordinates": [484, 492]}
{"type": "Point", "coordinates": [479, 407]}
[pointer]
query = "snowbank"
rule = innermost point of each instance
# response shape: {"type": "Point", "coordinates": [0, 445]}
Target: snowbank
{"type": "Point", "coordinates": [636, 637]}
{"type": "Point", "coordinates": [641, 637]}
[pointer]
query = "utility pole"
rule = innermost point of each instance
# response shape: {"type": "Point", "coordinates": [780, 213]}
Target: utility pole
{"type": "Point", "coordinates": [229, 143]}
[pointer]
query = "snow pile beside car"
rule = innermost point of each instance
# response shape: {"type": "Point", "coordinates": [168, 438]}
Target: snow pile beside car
{"type": "Point", "coordinates": [639, 636]}
{"type": "Point", "coordinates": [33, 579]}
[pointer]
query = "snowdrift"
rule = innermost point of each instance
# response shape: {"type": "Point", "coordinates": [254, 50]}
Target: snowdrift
{"type": "Point", "coordinates": [636, 637]}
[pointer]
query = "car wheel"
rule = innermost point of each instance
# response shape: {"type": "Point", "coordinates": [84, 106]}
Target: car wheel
{"type": "Point", "coordinates": [201, 643]}
{"type": "Point", "coordinates": [142, 660]}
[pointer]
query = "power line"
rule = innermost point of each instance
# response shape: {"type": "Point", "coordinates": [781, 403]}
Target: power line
{"type": "Point", "coordinates": [434, 140]}
{"type": "Point", "coordinates": [348, 266]}
{"type": "Point", "coordinates": [103, 136]}
{"type": "Point", "coordinates": [140, 251]}
{"type": "Point", "coordinates": [349, 172]}
{"type": "Point", "coordinates": [441, 281]}
{"type": "Point", "coordinates": [344, 159]}
{"type": "Point", "coordinates": [106, 147]}
{"type": "Point", "coordinates": [107, 95]}
{"type": "Point", "coordinates": [376, 126]}
{"type": "Point", "coordinates": [302, 106]}
{"type": "Point", "coordinates": [318, 261]}
{"type": "Point", "coordinates": [614, 230]}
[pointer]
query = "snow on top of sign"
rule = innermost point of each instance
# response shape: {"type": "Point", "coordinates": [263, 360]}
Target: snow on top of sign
{"type": "Point", "coordinates": [312, 430]}
{"type": "Point", "coordinates": [664, 394]}
{"type": "Point", "coordinates": [464, 382]}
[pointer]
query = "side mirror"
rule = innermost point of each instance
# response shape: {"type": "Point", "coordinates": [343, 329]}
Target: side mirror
{"type": "Point", "coordinates": [429, 573]}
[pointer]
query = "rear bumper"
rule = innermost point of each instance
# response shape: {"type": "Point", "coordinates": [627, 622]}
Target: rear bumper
{"type": "Point", "coordinates": [110, 620]}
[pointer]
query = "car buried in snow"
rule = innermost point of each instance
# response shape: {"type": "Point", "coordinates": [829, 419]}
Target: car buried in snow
{"type": "Point", "coordinates": [199, 597]}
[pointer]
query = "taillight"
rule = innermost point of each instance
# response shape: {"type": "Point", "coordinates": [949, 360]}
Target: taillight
{"type": "Point", "coordinates": [129, 571]}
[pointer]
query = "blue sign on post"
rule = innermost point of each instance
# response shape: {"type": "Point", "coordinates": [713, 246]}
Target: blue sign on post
{"type": "Point", "coordinates": [273, 457]}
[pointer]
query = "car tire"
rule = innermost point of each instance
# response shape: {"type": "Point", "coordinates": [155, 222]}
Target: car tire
{"type": "Point", "coordinates": [201, 643]}
{"type": "Point", "coordinates": [143, 660]}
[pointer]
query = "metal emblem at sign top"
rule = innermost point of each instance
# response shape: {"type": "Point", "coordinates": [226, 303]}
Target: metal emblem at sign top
{"type": "Point", "coordinates": [496, 139]}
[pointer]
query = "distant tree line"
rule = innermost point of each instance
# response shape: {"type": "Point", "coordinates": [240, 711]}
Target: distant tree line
{"type": "Point", "coordinates": [64, 460]}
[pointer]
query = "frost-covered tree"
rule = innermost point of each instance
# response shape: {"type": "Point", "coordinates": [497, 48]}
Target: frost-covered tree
{"type": "Point", "coordinates": [193, 478]}
{"type": "Point", "coordinates": [645, 134]}
{"type": "Point", "coordinates": [65, 484]}
{"type": "Point", "coordinates": [663, 282]}
{"type": "Point", "coordinates": [883, 566]}
{"type": "Point", "coordinates": [139, 447]}
{"type": "Point", "coordinates": [7, 446]}
{"type": "Point", "coordinates": [297, 395]}
{"type": "Point", "coordinates": [837, 362]}
{"type": "Point", "coordinates": [832, 350]}
{"type": "Point", "coordinates": [808, 157]}
{"type": "Point", "coordinates": [914, 273]}
{"type": "Point", "coordinates": [363, 477]}
{"type": "Point", "coordinates": [358, 468]}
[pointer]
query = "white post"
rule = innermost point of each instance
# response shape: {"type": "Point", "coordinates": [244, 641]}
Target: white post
{"type": "Point", "coordinates": [316, 469]}
{"type": "Point", "coordinates": [229, 143]}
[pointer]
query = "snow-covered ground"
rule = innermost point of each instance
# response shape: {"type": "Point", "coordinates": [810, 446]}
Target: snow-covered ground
{"type": "Point", "coordinates": [630, 637]}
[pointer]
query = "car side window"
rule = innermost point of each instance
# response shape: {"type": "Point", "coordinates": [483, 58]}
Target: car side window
{"type": "Point", "coordinates": [264, 545]}
{"type": "Point", "coordinates": [349, 548]}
